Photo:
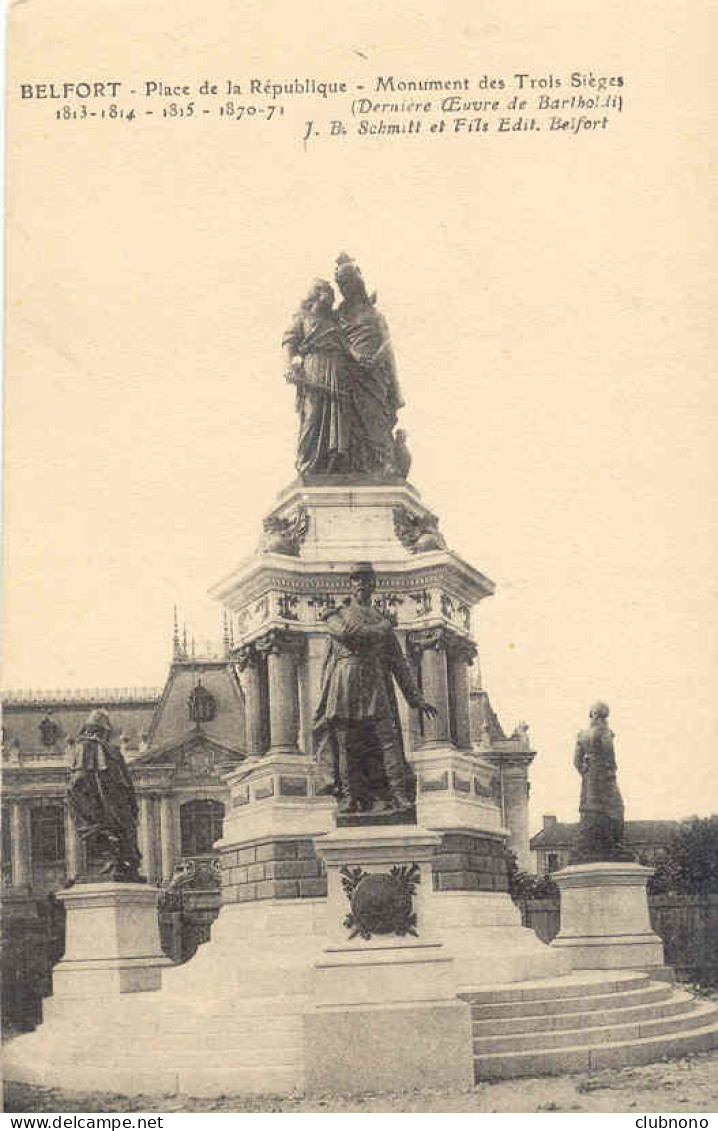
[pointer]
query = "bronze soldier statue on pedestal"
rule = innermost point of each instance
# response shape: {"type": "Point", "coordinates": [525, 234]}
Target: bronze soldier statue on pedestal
{"type": "Point", "coordinates": [357, 729]}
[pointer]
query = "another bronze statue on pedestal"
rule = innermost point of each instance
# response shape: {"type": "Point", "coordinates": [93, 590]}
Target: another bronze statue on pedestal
{"type": "Point", "coordinates": [102, 799]}
{"type": "Point", "coordinates": [600, 830]}
{"type": "Point", "coordinates": [357, 729]}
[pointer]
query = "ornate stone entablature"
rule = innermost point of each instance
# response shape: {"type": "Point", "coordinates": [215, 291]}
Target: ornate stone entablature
{"type": "Point", "coordinates": [266, 595]}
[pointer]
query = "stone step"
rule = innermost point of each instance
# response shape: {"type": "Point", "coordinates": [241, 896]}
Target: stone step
{"type": "Point", "coordinates": [580, 984]}
{"type": "Point", "coordinates": [585, 1057]}
{"type": "Point", "coordinates": [605, 1033]}
{"type": "Point", "coordinates": [497, 1027]}
{"type": "Point", "coordinates": [651, 992]}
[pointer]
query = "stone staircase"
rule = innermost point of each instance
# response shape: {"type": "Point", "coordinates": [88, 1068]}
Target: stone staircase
{"type": "Point", "coordinates": [583, 1022]}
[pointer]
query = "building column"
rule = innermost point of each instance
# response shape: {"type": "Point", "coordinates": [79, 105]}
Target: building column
{"type": "Point", "coordinates": [20, 845]}
{"type": "Point", "coordinates": [282, 651]}
{"type": "Point", "coordinates": [248, 664]}
{"type": "Point", "coordinates": [146, 837]}
{"type": "Point", "coordinates": [167, 836]}
{"type": "Point", "coordinates": [72, 853]}
{"type": "Point", "coordinates": [431, 645]}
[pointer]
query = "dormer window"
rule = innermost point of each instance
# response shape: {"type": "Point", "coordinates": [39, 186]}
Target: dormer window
{"type": "Point", "coordinates": [201, 704]}
{"type": "Point", "coordinates": [49, 731]}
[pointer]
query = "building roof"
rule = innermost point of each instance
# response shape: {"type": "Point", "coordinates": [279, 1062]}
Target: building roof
{"type": "Point", "coordinates": [130, 709]}
{"type": "Point", "coordinates": [562, 834]}
{"type": "Point", "coordinates": [172, 723]}
{"type": "Point", "coordinates": [37, 725]}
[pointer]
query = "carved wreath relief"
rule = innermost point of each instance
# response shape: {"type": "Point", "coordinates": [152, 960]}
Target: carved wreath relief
{"type": "Point", "coordinates": [381, 902]}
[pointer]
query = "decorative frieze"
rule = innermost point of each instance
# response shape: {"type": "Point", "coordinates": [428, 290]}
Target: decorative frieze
{"type": "Point", "coordinates": [287, 606]}
{"type": "Point", "coordinates": [422, 601]}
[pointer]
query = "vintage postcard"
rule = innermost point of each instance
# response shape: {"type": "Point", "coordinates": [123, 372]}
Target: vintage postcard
{"type": "Point", "coordinates": [360, 413]}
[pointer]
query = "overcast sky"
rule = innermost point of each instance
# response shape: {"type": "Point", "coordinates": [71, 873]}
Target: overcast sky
{"type": "Point", "coordinates": [549, 299]}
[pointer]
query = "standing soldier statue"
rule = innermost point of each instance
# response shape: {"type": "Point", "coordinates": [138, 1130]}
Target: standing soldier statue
{"type": "Point", "coordinates": [357, 728]}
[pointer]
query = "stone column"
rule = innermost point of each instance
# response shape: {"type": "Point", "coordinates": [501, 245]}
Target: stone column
{"type": "Point", "coordinates": [310, 684]}
{"type": "Point", "coordinates": [248, 664]}
{"type": "Point", "coordinates": [431, 644]}
{"type": "Point", "coordinates": [20, 845]}
{"type": "Point", "coordinates": [282, 651]}
{"type": "Point", "coordinates": [72, 855]}
{"type": "Point", "coordinates": [167, 836]}
{"type": "Point", "coordinates": [462, 652]}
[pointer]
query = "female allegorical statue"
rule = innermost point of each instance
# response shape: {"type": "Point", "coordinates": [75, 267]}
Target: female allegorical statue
{"type": "Point", "coordinates": [347, 390]}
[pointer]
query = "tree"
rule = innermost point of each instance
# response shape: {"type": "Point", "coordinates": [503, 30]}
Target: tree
{"type": "Point", "coordinates": [689, 863]}
{"type": "Point", "coordinates": [524, 885]}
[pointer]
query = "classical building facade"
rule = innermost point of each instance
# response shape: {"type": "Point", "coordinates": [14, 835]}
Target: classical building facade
{"type": "Point", "coordinates": [179, 742]}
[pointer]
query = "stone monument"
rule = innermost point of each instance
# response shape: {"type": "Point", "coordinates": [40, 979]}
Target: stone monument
{"type": "Point", "coordinates": [364, 876]}
{"type": "Point", "coordinates": [605, 922]}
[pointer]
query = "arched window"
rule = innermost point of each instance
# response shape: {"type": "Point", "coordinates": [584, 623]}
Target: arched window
{"type": "Point", "coordinates": [47, 824]}
{"type": "Point", "coordinates": [201, 825]}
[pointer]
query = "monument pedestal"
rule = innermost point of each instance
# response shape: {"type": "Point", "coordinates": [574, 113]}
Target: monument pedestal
{"type": "Point", "coordinates": [605, 923]}
{"type": "Point", "coordinates": [384, 1005]}
{"type": "Point", "coordinates": [112, 943]}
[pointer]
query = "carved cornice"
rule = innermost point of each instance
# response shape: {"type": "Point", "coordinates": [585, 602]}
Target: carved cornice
{"type": "Point", "coordinates": [277, 642]}
{"type": "Point", "coordinates": [461, 649]}
{"type": "Point", "coordinates": [443, 639]}
{"type": "Point", "coordinates": [425, 639]}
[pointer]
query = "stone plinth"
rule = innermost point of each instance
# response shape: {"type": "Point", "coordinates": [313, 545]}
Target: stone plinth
{"type": "Point", "coordinates": [453, 790]}
{"type": "Point", "coordinates": [112, 943]}
{"type": "Point", "coordinates": [605, 923]}
{"type": "Point", "coordinates": [384, 1006]}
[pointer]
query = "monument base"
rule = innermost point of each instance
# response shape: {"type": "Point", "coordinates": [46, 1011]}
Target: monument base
{"type": "Point", "coordinates": [370, 1048]}
{"type": "Point", "coordinates": [605, 923]}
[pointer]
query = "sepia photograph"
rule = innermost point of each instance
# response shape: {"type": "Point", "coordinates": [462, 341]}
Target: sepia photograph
{"type": "Point", "coordinates": [359, 672]}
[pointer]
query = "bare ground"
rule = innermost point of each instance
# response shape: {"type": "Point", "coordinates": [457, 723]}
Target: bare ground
{"type": "Point", "coordinates": [677, 1087]}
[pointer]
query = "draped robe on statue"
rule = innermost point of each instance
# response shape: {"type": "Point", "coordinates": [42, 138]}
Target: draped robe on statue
{"type": "Point", "coordinates": [323, 395]}
{"type": "Point", "coordinates": [347, 391]}
{"type": "Point", "coordinates": [376, 395]}
{"type": "Point", "coordinates": [600, 833]}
